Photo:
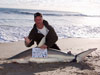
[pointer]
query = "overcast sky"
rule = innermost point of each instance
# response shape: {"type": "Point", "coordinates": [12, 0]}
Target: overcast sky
{"type": "Point", "coordinates": [84, 6]}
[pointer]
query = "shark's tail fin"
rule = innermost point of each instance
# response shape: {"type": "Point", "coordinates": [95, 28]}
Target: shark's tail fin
{"type": "Point", "coordinates": [79, 57]}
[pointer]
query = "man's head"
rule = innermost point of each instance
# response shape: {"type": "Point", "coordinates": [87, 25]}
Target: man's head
{"type": "Point", "coordinates": [38, 18]}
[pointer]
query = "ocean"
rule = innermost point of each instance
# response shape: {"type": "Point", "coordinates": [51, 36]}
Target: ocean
{"type": "Point", "coordinates": [17, 23]}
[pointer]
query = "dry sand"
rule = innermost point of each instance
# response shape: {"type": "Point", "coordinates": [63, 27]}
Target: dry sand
{"type": "Point", "coordinates": [90, 66]}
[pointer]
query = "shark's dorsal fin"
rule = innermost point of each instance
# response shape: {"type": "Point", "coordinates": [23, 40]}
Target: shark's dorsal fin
{"type": "Point", "coordinates": [42, 42]}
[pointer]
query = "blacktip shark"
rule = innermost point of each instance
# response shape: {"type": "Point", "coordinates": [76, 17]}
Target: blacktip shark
{"type": "Point", "coordinates": [53, 56]}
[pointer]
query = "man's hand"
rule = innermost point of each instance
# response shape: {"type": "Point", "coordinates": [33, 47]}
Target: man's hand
{"type": "Point", "coordinates": [43, 47]}
{"type": "Point", "coordinates": [27, 40]}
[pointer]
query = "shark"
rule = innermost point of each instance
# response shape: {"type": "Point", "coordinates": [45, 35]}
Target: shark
{"type": "Point", "coordinates": [53, 56]}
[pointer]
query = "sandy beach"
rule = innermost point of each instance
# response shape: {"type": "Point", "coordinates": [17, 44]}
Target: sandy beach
{"type": "Point", "coordinates": [90, 66]}
{"type": "Point", "coordinates": [76, 23]}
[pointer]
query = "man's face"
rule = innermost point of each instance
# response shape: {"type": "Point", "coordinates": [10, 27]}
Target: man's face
{"type": "Point", "coordinates": [38, 20]}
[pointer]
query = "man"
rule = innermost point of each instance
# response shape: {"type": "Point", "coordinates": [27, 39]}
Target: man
{"type": "Point", "coordinates": [40, 29]}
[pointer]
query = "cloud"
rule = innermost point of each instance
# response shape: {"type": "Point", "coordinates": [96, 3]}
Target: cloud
{"type": "Point", "coordinates": [83, 6]}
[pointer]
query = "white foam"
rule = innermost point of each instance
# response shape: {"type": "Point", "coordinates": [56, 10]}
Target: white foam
{"type": "Point", "coordinates": [14, 24]}
{"type": "Point", "coordinates": [13, 33]}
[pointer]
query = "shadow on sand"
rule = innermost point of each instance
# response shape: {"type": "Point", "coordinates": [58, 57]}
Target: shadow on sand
{"type": "Point", "coordinates": [32, 68]}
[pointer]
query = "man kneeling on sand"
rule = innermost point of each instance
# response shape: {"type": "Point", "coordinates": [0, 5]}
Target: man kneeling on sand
{"type": "Point", "coordinates": [40, 29]}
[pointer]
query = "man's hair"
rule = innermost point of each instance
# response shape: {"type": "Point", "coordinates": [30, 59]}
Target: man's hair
{"type": "Point", "coordinates": [37, 14]}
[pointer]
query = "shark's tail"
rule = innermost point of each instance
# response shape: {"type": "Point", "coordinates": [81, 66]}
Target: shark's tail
{"type": "Point", "coordinates": [79, 57]}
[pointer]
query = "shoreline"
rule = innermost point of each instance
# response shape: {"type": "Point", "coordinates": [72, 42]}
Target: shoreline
{"type": "Point", "coordinates": [75, 45]}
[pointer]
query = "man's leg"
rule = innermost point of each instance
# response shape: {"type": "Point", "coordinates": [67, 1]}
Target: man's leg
{"type": "Point", "coordinates": [55, 47]}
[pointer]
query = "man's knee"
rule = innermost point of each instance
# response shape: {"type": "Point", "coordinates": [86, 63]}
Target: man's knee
{"type": "Point", "coordinates": [55, 47]}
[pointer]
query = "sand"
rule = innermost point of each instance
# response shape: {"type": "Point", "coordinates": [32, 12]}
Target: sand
{"type": "Point", "coordinates": [90, 66]}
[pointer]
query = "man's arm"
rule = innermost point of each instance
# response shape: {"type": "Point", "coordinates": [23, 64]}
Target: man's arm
{"type": "Point", "coordinates": [29, 41]}
{"type": "Point", "coordinates": [51, 37]}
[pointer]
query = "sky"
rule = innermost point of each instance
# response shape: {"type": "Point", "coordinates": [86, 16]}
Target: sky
{"type": "Point", "coordinates": [89, 7]}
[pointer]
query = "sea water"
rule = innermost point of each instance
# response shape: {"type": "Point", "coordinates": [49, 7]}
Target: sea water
{"type": "Point", "coordinates": [17, 23]}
